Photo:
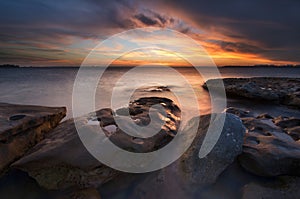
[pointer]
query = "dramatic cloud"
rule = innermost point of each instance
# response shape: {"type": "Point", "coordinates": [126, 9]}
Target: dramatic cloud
{"type": "Point", "coordinates": [272, 26]}
{"type": "Point", "coordinates": [45, 31]}
{"type": "Point", "coordinates": [146, 20]}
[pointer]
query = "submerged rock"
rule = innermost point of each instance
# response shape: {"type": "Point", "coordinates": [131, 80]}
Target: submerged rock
{"type": "Point", "coordinates": [279, 90]}
{"type": "Point", "coordinates": [61, 161]}
{"type": "Point", "coordinates": [270, 146]}
{"type": "Point", "coordinates": [22, 126]}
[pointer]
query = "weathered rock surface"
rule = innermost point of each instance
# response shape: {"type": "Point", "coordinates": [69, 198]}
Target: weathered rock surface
{"type": "Point", "coordinates": [229, 145]}
{"type": "Point", "coordinates": [188, 175]}
{"type": "Point", "coordinates": [157, 89]}
{"type": "Point", "coordinates": [280, 90]}
{"type": "Point", "coordinates": [284, 188]}
{"type": "Point", "coordinates": [88, 193]}
{"type": "Point", "coordinates": [22, 126]}
{"type": "Point", "coordinates": [61, 161]}
{"type": "Point", "coordinates": [271, 146]}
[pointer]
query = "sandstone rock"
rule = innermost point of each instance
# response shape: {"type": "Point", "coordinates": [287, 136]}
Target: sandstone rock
{"type": "Point", "coordinates": [188, 175]}
{"type": "Point", "coordinates": [88, 193]}
{"type": "Point", "coordinates": [286, 122]}
{"type": "Point", "coordinates": [61, 161]}
{"type": "Point", "coordinates": [294, 132]}
{"type": "Point", "coordinates": [268, 149]}
{"type": "Point", "coordinates": [293, 99]}
{"type": "Point", "coordinates": [264, 116]}
{"type": "Point", "coordinates": [270, 155]}
{"type": "Point", "coordinates": [157, 89]}
{"type": "Point", "coordinates": [284, 188]}
{"type": "Point", "coordinates": [279, 90]}
{"type": "Point", "coordinates": [22, 126]}
{"type": "Point", "coordinates": [239, 112]}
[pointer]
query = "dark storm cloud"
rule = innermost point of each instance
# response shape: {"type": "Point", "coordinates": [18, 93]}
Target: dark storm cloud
{"type": "Point", "coordinates": [146, 20]}
{"type": "Point", "coordinates": [32, 28]}
{"type": "Point", "coordinates": [274, 25]}
{"type": "Point", "coordinates": [237, 46]}
{"type": "Point", "coordinates": [52, 21]}
{"type": "Point", "coordinates": [268, 28]}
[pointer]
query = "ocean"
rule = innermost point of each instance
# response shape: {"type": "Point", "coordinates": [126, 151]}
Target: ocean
{"type": "Point", "coordinates": [54, 86]}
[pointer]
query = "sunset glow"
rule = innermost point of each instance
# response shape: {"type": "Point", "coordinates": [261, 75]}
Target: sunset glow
{"type": "Point", "coordinates": [51, 37]}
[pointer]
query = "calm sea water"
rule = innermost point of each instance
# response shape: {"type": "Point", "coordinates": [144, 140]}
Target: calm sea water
{"type": "Point", "coordinates": [54, 86]}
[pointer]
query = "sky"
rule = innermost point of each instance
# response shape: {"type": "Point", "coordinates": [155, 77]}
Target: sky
{"type": "Point", "coordinates": [233, 32]}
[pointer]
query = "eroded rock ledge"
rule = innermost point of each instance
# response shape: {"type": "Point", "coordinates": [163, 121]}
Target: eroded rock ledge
{"type": "Point", "coordinates": [271, 145]}
{"type": "Point", "coordinates": [60, 161]}
{"type": "Point", "coordinates": [279, 90]}
{"type": "Point", "coordinates": [22, 126]}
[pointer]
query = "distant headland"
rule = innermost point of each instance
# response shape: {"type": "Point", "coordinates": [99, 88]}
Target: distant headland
{"type": "Point", "coordinates": [225, 66]}
{"type": "Point", "coordinates": [262, 66]}
{"type": "Point", "coordinates": [9, 66]}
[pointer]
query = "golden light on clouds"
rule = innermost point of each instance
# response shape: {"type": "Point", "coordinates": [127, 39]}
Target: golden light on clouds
{"type": "Point", "coordinates": [151, 57]}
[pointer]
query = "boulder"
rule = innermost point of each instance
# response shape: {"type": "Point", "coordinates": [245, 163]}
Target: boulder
{"type": "Point", "coordinates": [204, 171]}
{"type": "Point", "coordinates": [22, 126]}
{"type": "Point", "coordinates": [61, 161]}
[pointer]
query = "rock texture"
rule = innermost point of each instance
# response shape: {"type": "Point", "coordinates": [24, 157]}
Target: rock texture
{"type": "Point", "coordinates": [157, 89]}
{"type": "Point", "coordinates": [61, 161]}
{"type": "Point", "coordinates": [229, 145]}
{"type": "Point", "coordinates": [188, 175]}
{"type": "Point", "coordinates": [89, 193]}
{"type": "Point", "coordinates": [284, 188]}
{"type": "Point", "coordinates": [22, 126]}
{"type": "Point", "coordinates": [271, 146]}
{"type": "Point", "coordinates": [279, 90]}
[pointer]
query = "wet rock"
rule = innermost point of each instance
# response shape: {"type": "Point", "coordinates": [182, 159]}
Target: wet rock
{"type": "Point", "coordinates": [239, 112]}
{"type": "Point", "coordinates": [264, 116]}
{"type": "Point", "coordinates": [22, 126]}
{"type": "Point", "coordinates": [269, 149]}
{"type": "Point", "coordinates": [139, 112]}
{"type": "Point", "coordinates": [294, 132]}
{"type": "Point", "coordinates": [61, 161]}
{"type": "Point", "coordinates": [278, 90]}
{"type": "Point", "coordinates": [286, 122]}
{"type": "Point", "coordinates": [157, 89]}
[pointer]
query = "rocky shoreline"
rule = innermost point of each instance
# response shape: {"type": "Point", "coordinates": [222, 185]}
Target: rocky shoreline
{"type": "Point", "coordinates": [284, 91]}
{"type": "Point", "coordinates": [265, 146]}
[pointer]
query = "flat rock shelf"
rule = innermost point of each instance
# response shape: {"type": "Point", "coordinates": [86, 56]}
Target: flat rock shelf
{"type": "Point", "coordinates": [272, 89]}
{"type": "Point", "coordinates": [22, 126]}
